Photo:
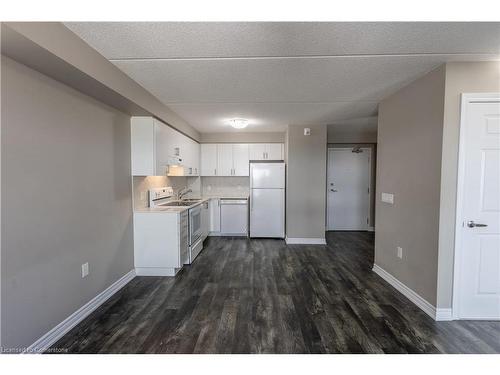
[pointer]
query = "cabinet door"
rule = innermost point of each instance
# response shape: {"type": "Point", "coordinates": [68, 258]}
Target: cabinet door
{"type": "Point", "coordinates": [240, 160]}
{"type": "Point", "coordinates": [214, 207]}
{"type": "Point", "coordinates": [142, 146]}
{"type": "Point", "coordinates": [274, 151]}
{"type": "Point", "coordinates": [163, 146]}
{"type": "Point", "coordinates": [225, 160]}
{"type": "Point", "coordinates": [208, 160]}
{"type": "Point", "coordinates": [195, 158]}
{"type": "Point", "coordinates": [257, 151]}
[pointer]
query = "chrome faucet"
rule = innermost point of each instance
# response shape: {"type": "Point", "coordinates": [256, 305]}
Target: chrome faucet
{"type": "Point", "coordinates": [183, 192]}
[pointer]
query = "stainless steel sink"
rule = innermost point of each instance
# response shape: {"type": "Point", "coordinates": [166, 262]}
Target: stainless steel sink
{"type": "Point", "coordinates": [177, 204]}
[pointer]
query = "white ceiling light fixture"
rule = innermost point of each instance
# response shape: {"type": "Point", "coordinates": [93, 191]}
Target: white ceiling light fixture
{"type": "Point", "coordinates": [238, 123]}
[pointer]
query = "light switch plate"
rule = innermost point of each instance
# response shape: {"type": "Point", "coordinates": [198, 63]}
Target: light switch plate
{"type": "Point", "coordinates": [400, 252]}
{"type": "Point", "coordinates": [388, 198]}
{"type": "Point", "coordinates": [85, 270]}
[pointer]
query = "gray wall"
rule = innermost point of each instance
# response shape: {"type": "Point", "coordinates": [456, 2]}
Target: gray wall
{"type": "Point", "coordinates": [66, 200]}
{"type": "Point", "coordinates": [466, 77]}
{"type": "Point", "coordinates": [53, 49]}
{"type": "Point", "coordinates": [361, 130]}
{"type": "Point", "coordinates": [410, 133]}
{"type": "Point", "coordinates": [306, 181]}
{"type": "Point", "coordinates": [236, 137]}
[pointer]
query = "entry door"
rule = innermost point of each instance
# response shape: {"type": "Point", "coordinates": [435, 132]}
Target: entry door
{"type": "Point", "coordinates": [479, 267]}
{"type": "Point", "coordinates": [348, 189]}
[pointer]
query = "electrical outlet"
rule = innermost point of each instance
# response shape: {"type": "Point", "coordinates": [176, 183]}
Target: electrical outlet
{"type": "Point", "coordinates": [400, 252]}
{"type": "Point", "coordinates": [85, 270]}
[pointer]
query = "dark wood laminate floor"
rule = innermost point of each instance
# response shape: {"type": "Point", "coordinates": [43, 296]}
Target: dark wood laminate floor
{"type": "Point", "coordinates": [262, 296]}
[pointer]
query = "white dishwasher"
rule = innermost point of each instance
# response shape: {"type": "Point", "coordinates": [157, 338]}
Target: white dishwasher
{"type": "Point", "coordinates": [234, 217]}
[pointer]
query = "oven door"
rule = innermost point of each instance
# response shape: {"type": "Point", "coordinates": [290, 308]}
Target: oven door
{"type": "Point", "coordinates": [194, 224]}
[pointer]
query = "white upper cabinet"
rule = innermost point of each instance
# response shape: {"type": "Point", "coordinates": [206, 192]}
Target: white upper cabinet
{"type": "Point", "coordinates": [257, 151]}
{"type": "Point", "coordinates": [225, 160]}
{"type": "Point", "coordinates": [241, 166]}
{"type": "Point", "coordinates": [266, 151]}
{"type": "Point", "coordinates": [228, 159]}
{"type": "Point", "coordinates": [274, 151]}
{"type": "Point", "coordinates": [143, 159]}
{"type": "Point", "coordinates": [190, 155]}
{"type": "Point", "coordinates": [155, 147]}
{"type": "Point", "coordinates": [208, 159]}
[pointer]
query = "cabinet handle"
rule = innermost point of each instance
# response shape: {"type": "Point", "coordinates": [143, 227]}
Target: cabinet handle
{"type": "Point", "coordinates": [215, 172]}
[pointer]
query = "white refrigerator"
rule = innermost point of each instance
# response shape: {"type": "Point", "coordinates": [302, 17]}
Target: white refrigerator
{"type": "Point", "coordinates": [267, 199]}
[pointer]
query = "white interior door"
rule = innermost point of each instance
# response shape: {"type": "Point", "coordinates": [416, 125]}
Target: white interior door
{"type": "Point", "coordinates": [348, 189]}
{"type": "Point", "coordinates": [478, 234]}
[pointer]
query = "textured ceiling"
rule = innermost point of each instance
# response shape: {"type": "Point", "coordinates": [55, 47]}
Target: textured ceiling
{"type": "Point", "coordinates": [282, 73]}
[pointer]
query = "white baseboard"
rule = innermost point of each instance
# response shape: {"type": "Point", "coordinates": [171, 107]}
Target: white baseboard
{"type": "Point", "coordinates": [305, 241]}
{"type": "Point", "coordinates": [407, 292]}
{"type": "Point", "coordinates": [444, 315]}
{"type": "Point", "coordinates": [156, 271]}
{"type": "Point", "coordinates": [371, 229]}
{"type": "Point", "coordinates": [51, 337]}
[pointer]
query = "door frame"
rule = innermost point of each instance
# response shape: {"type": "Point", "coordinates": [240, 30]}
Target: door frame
{"type": "Point", "coordinates": [369, 151]}
{"type": "Point", "coordinates": [465, 101]}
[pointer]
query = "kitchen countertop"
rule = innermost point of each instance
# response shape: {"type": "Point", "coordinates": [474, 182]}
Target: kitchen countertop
{"type": "Point", "coordinates": [179, 209]}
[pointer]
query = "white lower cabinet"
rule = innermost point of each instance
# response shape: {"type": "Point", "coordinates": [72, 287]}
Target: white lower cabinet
{"type": "Point", "coordinates": [160, 242]}
{"type": "Point", "coordinates": [214, 208]}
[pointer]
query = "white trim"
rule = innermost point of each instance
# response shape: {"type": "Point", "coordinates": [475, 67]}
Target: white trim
{"type": "Point", "coordinates": [413, 296]}
{"type": "Point", "coordinates": [156, 271]}
{"type": "Point", "coordinates": [51, 337]}
{"type": "Point", "coordinates": [466, 99]}
{"type": "Point", "coordinates": [368, 214]}
{"type": "Point", "coordinates": [305, 241]}
{"type": "Point", "coordinates": [444, 315]}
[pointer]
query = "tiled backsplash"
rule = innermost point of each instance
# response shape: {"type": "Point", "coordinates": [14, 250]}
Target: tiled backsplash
{"type": "Point", "coordinates": [141, 186]}
{"type": "Point", "coordinates": [206, 186]}
{"type": "Point", "coordinates": [225, 186]}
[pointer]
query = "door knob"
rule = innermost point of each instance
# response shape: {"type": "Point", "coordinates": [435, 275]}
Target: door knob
{"type": "Point", "coordinates": [471, 224]}
{"type": "Point", "coordinates": [334, 190]}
